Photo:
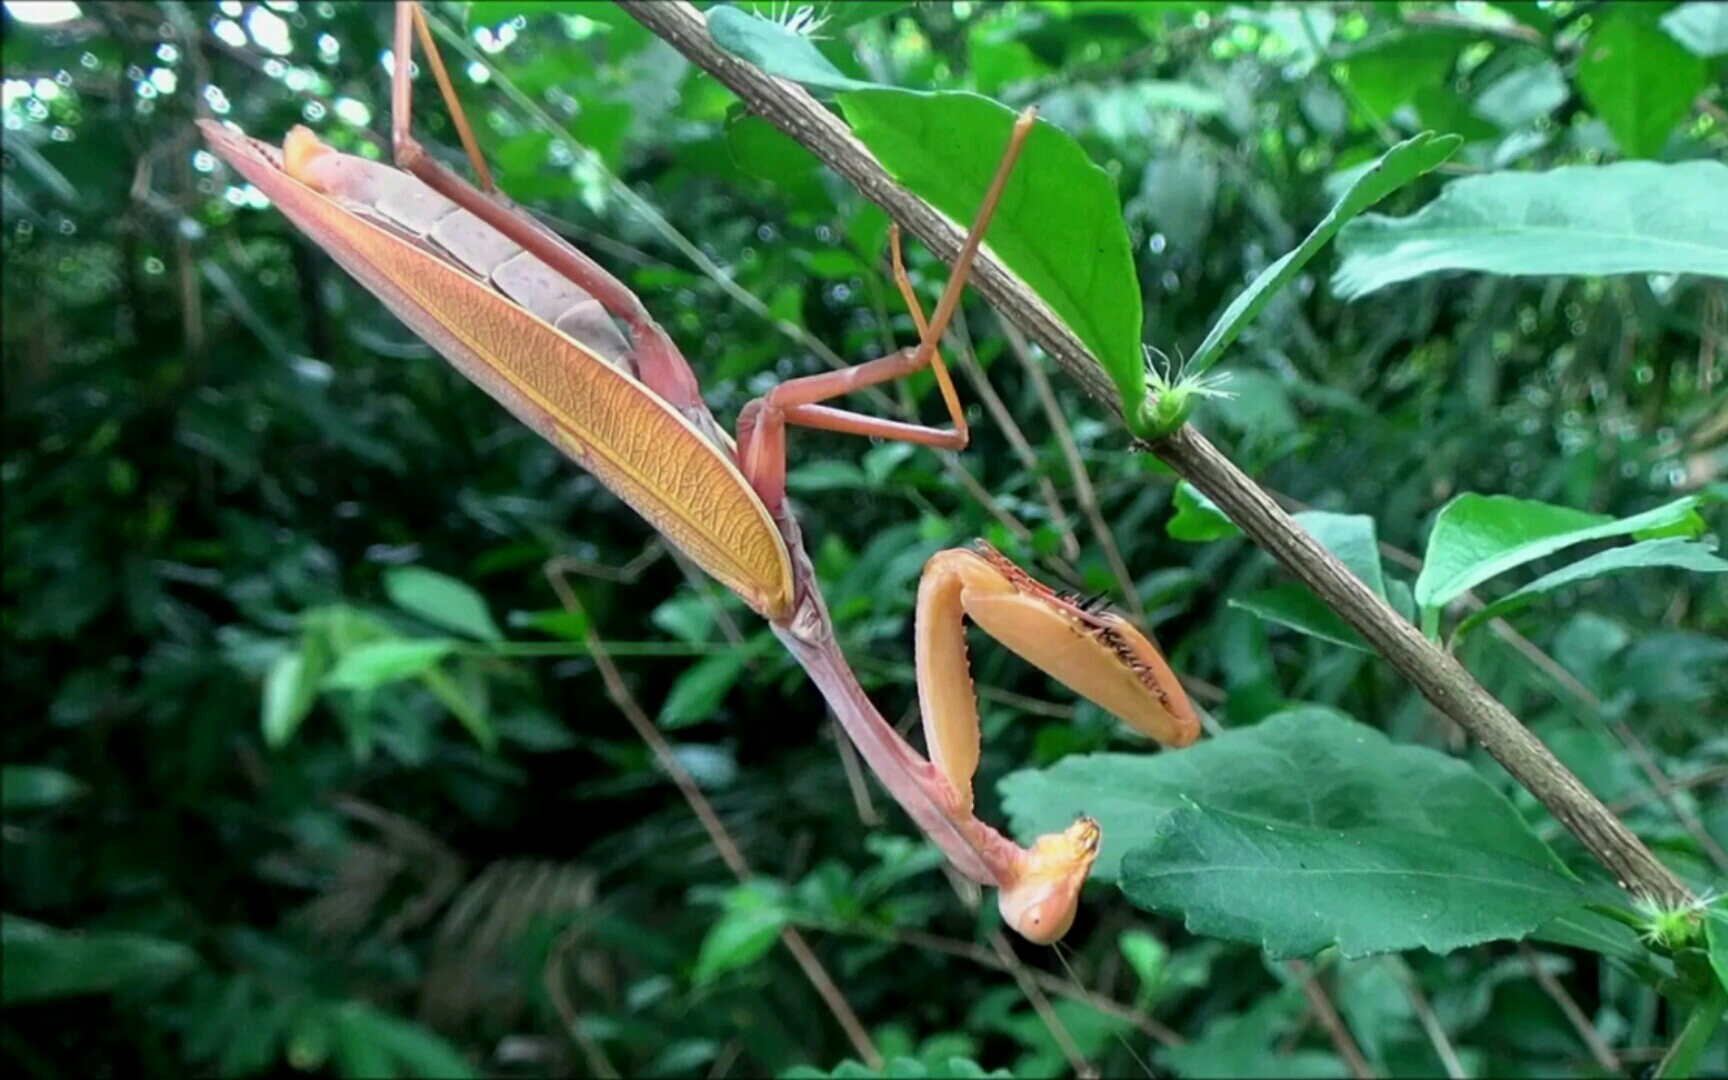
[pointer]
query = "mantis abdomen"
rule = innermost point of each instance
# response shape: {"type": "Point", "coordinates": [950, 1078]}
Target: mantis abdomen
{"type": "Point", "coordinates": [405, 204]}
{"type": "Point", "coordinates": [452, 291]}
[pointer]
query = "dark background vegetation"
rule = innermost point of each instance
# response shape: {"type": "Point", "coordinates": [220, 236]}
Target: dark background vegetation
{"type": "Point", "coordinates": [218, 448]}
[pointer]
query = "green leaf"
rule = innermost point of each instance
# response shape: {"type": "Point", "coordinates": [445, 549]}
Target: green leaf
{"type": "Point", "coordinates": [1197, 518]}
{"type": "Point", "coordinates": [471, 715]}
{"type": "Point", "coordinates": [1305, 830]}
{"type": "Point", "coordinates": [1295, 889]}
{"type": "Point", "coordinates": [377, 663]}
{"type": "Point", "coordinates": [1588, 929]}
{"type": "Point", "coordinates": [1477, 537]}
{"type": "Point", "coordinates": [1292, 605]}
{"type": "Point", "coordinates": [1059, 224]}
{"type": "Point", "coordinates": [291, 688]}
{"type": "Point", "coordinates": [826, 475]}
{"type": "Point", "coordinates": [553, 622]}
{"type": "Point", "coordinates": [43, 963]}
{"type": "Point", "coordinates": [1634, 217]}
{"type": "Point", "coordinates": [369, 1042]}
{"type": "Point", "coordinates": [741, 937]}
{"type": "Point", "coordinates": [442, 601]}
{"type": "Point", "coordinates": [1308, 765]}
{"type": "Point", "coordinates": [1353, 540]}
{"type": "Point", "coordinates": [1638, 80]}
{"type": "Point", "coordinates": [359, 1052]}
{"type": "Point", "coordinates": [1681, 1060]}
{"type": "Point", "coordinates": [777, 50]}
{"type": "Point", "coordinates": [697, 693]}
{"type": "Point", "coordinates": [1388, 72]}
{"type": "Point", "coordinates": [1669, 552]}
{"type": "Point", "coordinates": [1701, 26]}
{"type": "Point", "coordinates": [1395, 168]}
{"type": "Point", "coordinates": [421, 1051]}
{"type": "Point", "coordinates": [36, 787]}
{"type": "Point", "coordinates": [1248, 1045]}
{"type": "Point", "coordinates": [1716, 938]}
{"type": "Point", "coordinates": [1523, 95]}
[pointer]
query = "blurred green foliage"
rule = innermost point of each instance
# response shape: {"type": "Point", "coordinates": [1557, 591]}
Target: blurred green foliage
{"type": "Point", "coordinates": [308, 766]}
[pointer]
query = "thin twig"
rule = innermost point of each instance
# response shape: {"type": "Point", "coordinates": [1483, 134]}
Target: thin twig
{"type": "Point", "coordinates": [1326, 1015]}
{"type": "Point", "coordinates": [598, 1063]}
{"type": "Point", "coordinates": [1055, 984]}
{"type": "Point", "coordinates": [1599, 1050]}
{"type": "Point", "coordinates": [1430, 1023]}
{"type": "Point", "coordinates": [1040, 1005]}
{"type": "Point", "coordinates": [1716, 775]}
{"type": "Point", "coordinates": [619, 692]}
{"type": "Point", "coordinates": [1437, 675]}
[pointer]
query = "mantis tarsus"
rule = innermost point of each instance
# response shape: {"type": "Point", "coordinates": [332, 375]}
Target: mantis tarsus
{"type": "Point", "coordinates": [529, 318]}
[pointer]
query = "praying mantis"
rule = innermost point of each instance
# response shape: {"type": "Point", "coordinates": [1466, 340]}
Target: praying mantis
{"type": "Point", "coordinates": [529, 318]}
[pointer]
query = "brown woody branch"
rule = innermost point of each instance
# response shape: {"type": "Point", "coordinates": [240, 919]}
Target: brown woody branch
{"type": "Point", "coordinates": [1434, 672]}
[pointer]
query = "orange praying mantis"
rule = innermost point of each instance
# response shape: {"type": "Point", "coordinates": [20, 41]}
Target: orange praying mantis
{"type": "Point", "coordinates": [529, 318]}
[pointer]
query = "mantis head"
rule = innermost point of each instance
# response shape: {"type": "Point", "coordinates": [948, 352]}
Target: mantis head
{"type": "Point", "coordinates": [1040, 903]}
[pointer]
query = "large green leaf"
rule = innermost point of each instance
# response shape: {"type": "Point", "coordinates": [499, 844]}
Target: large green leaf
{"type": "Point", "coordinates": [1477, 537]}
{"type": "Point", "coordinates": [1308, 830]}
{"type": "Point", "coordinates": [1629, 218]}
{"type": "Point", "coordinates": [1058, 226]}
{"type": "Point", "coordinates": [1309, 766]}
{"type": "Point", "coordinates": [1668, 552]}
{"type": "Point", "coordinates": [1296, 889]}
{"type": "Point", "coordinates": [1395, 168]}
{"type": "Point", "coordinates": [443, 601]}
{"type": "Point", "coordinates": [44, 963]}
{"type": "Point", "coordinates": [1638, 80]}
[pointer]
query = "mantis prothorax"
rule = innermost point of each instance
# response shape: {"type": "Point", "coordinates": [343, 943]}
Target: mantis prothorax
{"type": "Point", "coordinates": [528, 317]}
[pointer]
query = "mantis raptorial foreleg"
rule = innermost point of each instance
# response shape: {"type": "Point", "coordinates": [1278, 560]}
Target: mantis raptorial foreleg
{"type": "Point", "coordinates": [517, 310]}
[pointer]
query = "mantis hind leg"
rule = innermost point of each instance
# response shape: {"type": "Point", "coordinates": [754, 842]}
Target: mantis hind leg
{"type": "Point", "coordinates": [798, 402]}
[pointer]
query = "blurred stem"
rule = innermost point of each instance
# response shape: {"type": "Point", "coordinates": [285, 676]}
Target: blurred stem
{"type": "Point", "coordinates": [1600, 1051]}
{"type": "Point", "coordinates": [1436, 674]}
{"type": "Point", "coordinates": [730, 854]}
{"type": "Point", "coordinates": [1326, 1014]}
{"type": "Point", "coordinates": [1682, 1057]}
